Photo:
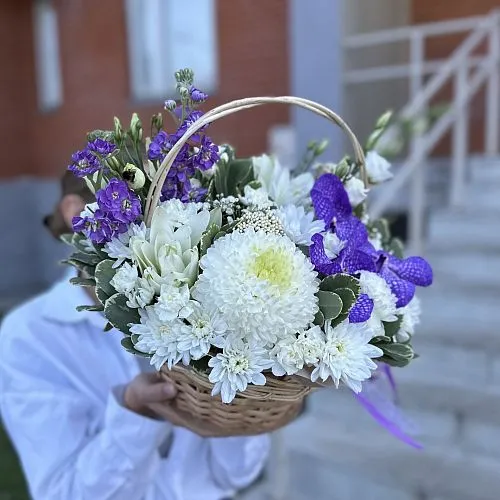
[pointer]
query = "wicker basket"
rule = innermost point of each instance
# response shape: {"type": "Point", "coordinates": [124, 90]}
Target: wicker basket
{"type": "Point", "coordinates": [259, 409]}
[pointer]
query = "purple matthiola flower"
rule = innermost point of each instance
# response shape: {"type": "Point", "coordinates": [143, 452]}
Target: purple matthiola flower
{"type": "Point", "coordinates": [191, 118]}
{"type": "Point", "coordinates": [97, 228]}
{"type": "Point", "coordinates": [101, 147]}
{"type": "Point", "coordinates": [161, 144]}
{"type": "Point", "coordinates": [403, 275]}
{"type": "Point", "coordinates": [84, 163]}
{"type": "Point", "coordinates": [120, 203]}
{"type": "Point", "coordinates": [207, 155]}
{"type": "Point", "coordinates": [197, 95]}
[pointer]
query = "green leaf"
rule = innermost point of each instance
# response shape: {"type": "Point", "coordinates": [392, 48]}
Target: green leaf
{"type": "Point", "coordinates": [330, 304]}
{"type": "Point", "coordinates": [348, 299]}
{"type": "Point", "coordinates": [81, 266]}
{"type": "Point", "coordinates": [96, 308]}
{"type": "Point", "coordinates": [119, 314]}
{"type": "Point", "coordinates": [395, 353]}
{"type": "Point", "coordinates": [215, 217]}
{"type": "Point", "coordinates": [81, 243]}
{"type": "Point", "coordinates": [104, 273]}
{"type": "Point", "coordinates": [396, 247]}
{"type": "Point", "coordinates": [230, 178]}
{"type": "Point", "coordinates": [82, 281]}
{"type": "Point", "coordinates": [67, 238]}
{"type": "Point", "coordinates": [319, 319]}
{"type": "Point", "coordinates": [391, 328]}
{"type": "Point", "coordinates": [382, 227]}
{"type": "Point", "coordinates": [91, 259]}
{"type": "Point", "coordinates": [339, 319]}
{"type": "Point", "coordinates": [129, 346]}
{"type": "Point", "coordinates": [207, 238]}
{"type": "Point", "coordinates": [332, 283]}
{"type": "Point", "coordinates": [108, 327]}
{"type": "Point", "coordinates": [221, 178]}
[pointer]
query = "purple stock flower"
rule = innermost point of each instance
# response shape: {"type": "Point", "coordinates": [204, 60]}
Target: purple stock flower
{"type": "Point", "coordinates": [101, 147]}
{"type": "Point", "coordinates": [161, 144]}
{"type": "Point", "coordinates": [404, 275]}
{"type": "Point", "coordinates": [97, 228]}
{"type": "Point", "coordinates": [197, 95]}
{"type": "Point", "coordinates": [119, 202]}
{"type": "Point", "coordinates": [84, 163]}
{"type": "Point", "coordinates": [191, 118]}
{"type": "Point", "coordinates": [207, 155]}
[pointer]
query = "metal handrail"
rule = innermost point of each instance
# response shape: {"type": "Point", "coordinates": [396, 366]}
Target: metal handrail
{"type": "Point", "coordinates": [457, 67]}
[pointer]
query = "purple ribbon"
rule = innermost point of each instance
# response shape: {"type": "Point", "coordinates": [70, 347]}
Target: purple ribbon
{"type": "Point", "coordinates": [379, 398]}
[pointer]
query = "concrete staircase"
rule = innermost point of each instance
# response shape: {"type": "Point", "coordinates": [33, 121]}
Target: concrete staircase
{"type": "Point", "coordinates": [336, 451]}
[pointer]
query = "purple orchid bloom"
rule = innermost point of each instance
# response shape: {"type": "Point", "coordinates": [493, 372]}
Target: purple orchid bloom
{"type": "Point", "coordinates": [101, 147]}
{"type": "Point", "coordinates": [119, 202]}
{"type": "Point", "coordinates": [362, 310]}
{"type": "Point", "coordinates": [403, 275]}
{"type": "Point", "coordinates": [84, 163]}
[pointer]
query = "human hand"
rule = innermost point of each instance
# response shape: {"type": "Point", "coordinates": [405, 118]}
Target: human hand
{"type": "Point", "coordinates": [145, 392]}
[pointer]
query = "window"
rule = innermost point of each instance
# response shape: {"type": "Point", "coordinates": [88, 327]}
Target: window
{"type": "Point", "coordinates": [48, 68]}
{"type": "Point", "coordinates": [166, 35]}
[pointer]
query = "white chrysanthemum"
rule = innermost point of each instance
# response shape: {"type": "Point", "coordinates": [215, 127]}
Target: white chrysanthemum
{"type": "Point", "coordinates": [378, 168]}
{"type": "Point", "coordinates": [292, 353]}
{"type": "Point", "coordinates": [237, 366]}
{"type": "Point", "coordinates": [347, 355]}
{"type": "Point", "coordinates": [283, 189]}
{"type": "Point", "coordinates": [173, 302]}
{"type": "Point", "coordinates": [125, 279]}
{"type": "Point", "coordinates": [262, 284]}
{"type": "Point", "coordinates": [205, 329]}
{"type": "Point", "coordinates": [411, 318]}
{"type": "Point", "coordinates": [356, 191]}
{"type": "Point", "coordinates": [384, 301]}
{"type": "Point", "coordinates": [142, 295]}
{"type": "Point", "coordinates": [159, 338]}
{"type": "Point", "coordinates": [333, 245]}
{"type": "Point", "coordinates": [256, 197]}
{"type": "Point", "coordinates": [118, 248]}
{"type": "Point", "coordinates": [298, 224]}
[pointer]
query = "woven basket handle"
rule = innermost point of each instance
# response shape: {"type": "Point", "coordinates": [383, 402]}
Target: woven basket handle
{"type": "Point", "coordinates": [154, 193]}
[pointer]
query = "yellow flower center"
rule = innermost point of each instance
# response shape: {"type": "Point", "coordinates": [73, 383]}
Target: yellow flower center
{"type": "Point", "coordinates": [273, 266]}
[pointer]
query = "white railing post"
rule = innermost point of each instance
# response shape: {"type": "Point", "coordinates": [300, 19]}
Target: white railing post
{"type": "Point", "coordinates": [493, 89]}
{"type": "Point", "coordinates": [460, 141]}
{"type": "Point", "coordinates": [416, 209]}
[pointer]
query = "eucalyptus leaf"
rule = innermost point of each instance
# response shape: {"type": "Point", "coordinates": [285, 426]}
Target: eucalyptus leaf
{"type": "Point", "coordinates": [81, 266]}
{"type": "Point", "coordinates": [319, 319]}
{"type": "Point", "coordinates": [348, 298]}
{"type": "Point", "coordinates": [93, 308]}
{"type": "Point", "coordinates": [104, 273]}
{"type": "Point", "coordinates": [392, 328]}
{"type": "Point", "coordinates": [108, 327]}
{"type": "Point", "coordinates": [119, 314]}
{"type": "Point", "coordinates": [82, 281]}
{"type": "Point", "coordinates": [330, 304]}
{"type": "Point", "coordinates": [335, 281]}
{"type": "Point", "coordinates": [129, 346]}
{"type": "Point", "coordinates": [90, 259]}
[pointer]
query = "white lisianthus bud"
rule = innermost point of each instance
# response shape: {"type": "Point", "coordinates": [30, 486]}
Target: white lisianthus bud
{"type": "Point", "coordinates": [356, 191]}
{"type": "Point", "coordinates": [134, 176]}
{"type": "Point", "coordinates": [378, 168]}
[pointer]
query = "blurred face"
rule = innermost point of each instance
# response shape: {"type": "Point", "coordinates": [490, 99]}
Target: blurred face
{"type": "Point", "coordinates": [71, 206]}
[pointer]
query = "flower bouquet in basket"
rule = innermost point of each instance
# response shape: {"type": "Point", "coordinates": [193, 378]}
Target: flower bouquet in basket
{"type": "Point", "coordinates": [246, 285]}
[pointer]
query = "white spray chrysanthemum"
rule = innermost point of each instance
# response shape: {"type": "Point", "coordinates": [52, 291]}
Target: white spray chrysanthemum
{"type": "Point", "coordinates": [159, 338]}
{"type": "Point", "coordinates": [118, 248]}
{"type": "Point", "coordinates": [173, 302]}
{"type": "Point", "coordinates": [125, 279]}
{"type": "Point", "coordinates": [411, 318]}
{"type": "Point", "coordinates": [292, 353]}
{"type": "Point", "coordinates": [298, 224]}
{"type": "Point", "coordinates": [204, 330]}
{"type": "Point", "coordinates": [238, 365]}
{"type": "Point", "coordinates": [262, 284]}
{"type": "Point", "coordinates": [384, 301]}
{"type": "Point", "coordinates": [347, 356]}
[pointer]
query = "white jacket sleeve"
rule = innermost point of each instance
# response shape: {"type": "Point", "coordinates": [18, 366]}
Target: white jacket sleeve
{"type": "Point", "coordinates": [237, 461]}
{"type": "Point", "coordinates": [49, 424]}
{"type": "Point", "coordinates": [63, 459]}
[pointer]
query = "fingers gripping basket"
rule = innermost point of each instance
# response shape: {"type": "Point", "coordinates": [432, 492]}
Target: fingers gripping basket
{"type": "Point", "coordinates": [259, 409]}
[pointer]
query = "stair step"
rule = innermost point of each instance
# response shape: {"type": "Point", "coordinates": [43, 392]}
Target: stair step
{"type": "Point", "coordinates": [485, 170]}
{"type": "Point", "coordinates": [376, 456]}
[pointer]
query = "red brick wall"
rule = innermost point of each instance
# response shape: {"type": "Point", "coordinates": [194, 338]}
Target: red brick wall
{"type": "Point", "coordinates": [253, 60]}
{"type": "Point", "coordinates": [424, 11]}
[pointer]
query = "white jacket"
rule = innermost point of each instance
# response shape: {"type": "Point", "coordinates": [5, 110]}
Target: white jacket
{"type": "Point", "coordinates": [58, 370]}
